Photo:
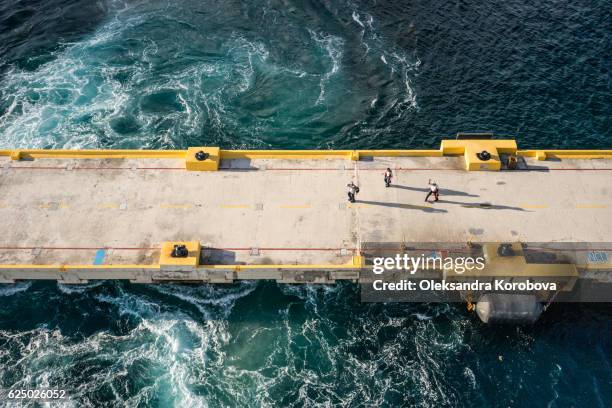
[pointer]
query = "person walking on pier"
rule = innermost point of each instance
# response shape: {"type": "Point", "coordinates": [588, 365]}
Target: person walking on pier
{"type": "Point", "coordinates": [388, 177]}
{"type": "Point", "coordinates": [433, 189]}
{"type": "Point", "coordinates": [352, 190]}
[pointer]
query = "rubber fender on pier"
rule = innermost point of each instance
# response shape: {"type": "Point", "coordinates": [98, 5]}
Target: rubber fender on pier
{"type": "Point", "coordinates": [494, 308]}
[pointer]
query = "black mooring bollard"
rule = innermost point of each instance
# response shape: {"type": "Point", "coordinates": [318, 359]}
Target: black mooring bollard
{"type": "Point", "coordinates": [179, 251]}
{"type": "Point", "coordinates": [484, 155]}
{"type": "Point", "coordinates": [201, 156]}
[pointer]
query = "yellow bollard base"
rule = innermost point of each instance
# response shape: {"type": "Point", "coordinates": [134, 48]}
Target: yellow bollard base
{"type": "Point", "coordinates": [210, 164]}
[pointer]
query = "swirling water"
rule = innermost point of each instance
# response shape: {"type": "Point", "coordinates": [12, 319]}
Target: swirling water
{"type": "Point", "coordinates": [284, 74]}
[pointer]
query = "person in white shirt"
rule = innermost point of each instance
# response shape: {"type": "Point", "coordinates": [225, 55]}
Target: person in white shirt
{"type": "Point", "coordinates": [433, 189]}
{"type": "Point", "coordinates": [388, 177]}
{"type": "Point", "coordinates": [352, 190]}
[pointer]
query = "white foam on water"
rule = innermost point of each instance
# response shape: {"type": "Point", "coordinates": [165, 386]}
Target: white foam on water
{"type": "Point", "coordinates": [407, 69]}
{"type": "Point", "coordinates": [254, 52]}
{"type": "Point", "coordinates": [469, 374]}
{"type": "Point", "coordinates": [332, 45]}
{"type": "Point", "coordinates": [50, 98]}
{"type": "Point", "coordinates": [206, 295]}
{"type": "Point", "coordinates": [402, 67]}
{"type": "Point", "coordinates": [130, 304]}
{"type": "Point", "coordinates": [80, 288]}
{"type": "Point", "coordinates": [555, 374]}
{"type": "Point", "coordinates": [184, 340]}
{"type": "Point", "coordinates": [356, 19]}
{"type": "Point", "coordinates": [72, 101]}
{"type": "Point", "coordinates": [91, 94]}
{"type": "Point", "coordinates": [422, 373]}
{"type": "Point", "coordinates": [311, 293]}
{"type": "Point", "coordinates": [156, 341]}
{"type": "Point", "coordinates": [9, 289]}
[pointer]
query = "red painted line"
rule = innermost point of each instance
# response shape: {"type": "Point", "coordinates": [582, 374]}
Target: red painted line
{"type": "Point", "coordinates": [410, 169]}
{"type": "Point", "coordinates": [160, 168]}
{"type": "Point", "coordinates": [278, 249]}
{"type": "Point", "coordinates": [569, 249]}
{"type": "Point", "coordinates": [303, 169]}
{"type": "Point", "coordinates": [37, 168]}
{"type": "Point", "coordinates": [425, 169]}
{"type": "Point", "coordinates": [129, 168]}
{"type": "Point", "coordinates": [359, 169]}
{"type": "Point", "coordinates": [101, 168]}
{"type": "Point", "coordinates": [132, 249]}
{"type": "Point", "coordinates": [289, 249]}
{"type": "Point", "coordinates": [577, 169]}
{"type": "Point", "coordinates": [414, 249]}
{"type": "Point", "coordinates": [467, 250]}
{"type": "Point", "coordinates": [154, 248]}
{"type": "Point", "coordinates": [292, 168]}
{"type": "Point", "coordinates": [93, 168]}
{"type": "Point", "coordinates": [73, 248]}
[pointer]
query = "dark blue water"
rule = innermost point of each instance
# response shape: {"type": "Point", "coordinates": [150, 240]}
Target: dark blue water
{"type": "Point", "coordinates": [283, 74]}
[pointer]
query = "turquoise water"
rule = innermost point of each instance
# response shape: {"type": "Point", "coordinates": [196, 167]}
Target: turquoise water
{"type": "Point", "coordinates": [283, 74]}
{"type": "Point", "coordinates": [160, 74]}
{"type": "Point", "coordinates": [266, 344]}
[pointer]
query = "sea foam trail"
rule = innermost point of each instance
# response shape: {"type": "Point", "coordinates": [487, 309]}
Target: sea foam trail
{"type": "Point", "coordinates": [332, 45]}
{"type": "Point", "coordinates": [101, 92]}
{"type": "Point", "coordinates": [173, 352]}
{"type": "Point", "coordinates": [78, 289]}
{"type": "Point", "coordinates": [387, 337]}
{"type": "Point", "coordinates": [130, 84]}
{"type": "Point", "coordinates": [403, 68]}
{"type": "Point", "coordinates": [10, 289]}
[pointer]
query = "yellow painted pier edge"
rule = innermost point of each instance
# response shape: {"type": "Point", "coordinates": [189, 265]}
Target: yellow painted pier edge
{"type": "Point", "coordinates": [466, 148]}
{"type": "Point", "coordinates": [181, 269]}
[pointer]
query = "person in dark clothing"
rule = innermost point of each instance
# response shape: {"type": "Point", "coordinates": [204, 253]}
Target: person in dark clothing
{"type": "Point", "coordinates": [433, 190]}
{"type": "Point", "coordinates": [352, 190]}
{"type": "Point", "coordinates": [388, 177]}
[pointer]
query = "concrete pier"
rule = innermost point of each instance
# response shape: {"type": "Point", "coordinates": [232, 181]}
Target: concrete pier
{"type": "Point", "coordinates": [76, 219]}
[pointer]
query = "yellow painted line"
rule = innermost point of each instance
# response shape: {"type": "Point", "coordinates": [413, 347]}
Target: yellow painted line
{"type": "Point", "coordinates": [107, 206]}
{"type": "Point", "coordinates": [64, 268]}
{"type": "Point", "coordinates": [534, 206]}
{"type": "Point", "coordinates": [568, 154]}
{"type": "Point", "coordinates": [591, 206]}
{"type": "Point", "coordinates": [94, 154]}
{"type": "Point", "coordinates": [351, 205]}
{"type": "Point", "coordinates": [234, 206]}
{"type": "Point", "coordinates": [156, 267]}
{"type": "Point", "coordinates": [295, 206]}
{"type": "Point", "coordinates": [602, 266]}
{"type": "Point", "coordinates": [176, 205]}
{"type": "Point", "coordinates": [448, 147]}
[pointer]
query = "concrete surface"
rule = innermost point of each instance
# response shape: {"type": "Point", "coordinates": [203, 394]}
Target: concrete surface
{"type": "Point", "coordinates": [61, 211]}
